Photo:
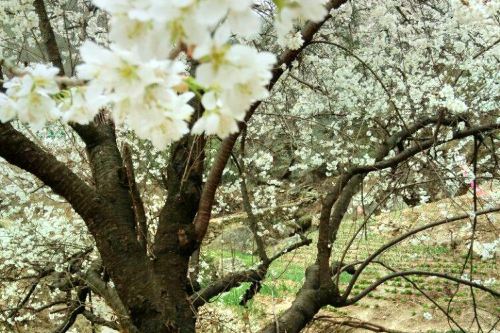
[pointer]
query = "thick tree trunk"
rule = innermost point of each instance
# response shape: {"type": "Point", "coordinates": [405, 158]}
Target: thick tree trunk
{"type": "Point", "coordinates": [174, 242]}
{"type": "Point", "coordinates": [309, 300]}
{"type": "Point", "coordinates": [176, 314]}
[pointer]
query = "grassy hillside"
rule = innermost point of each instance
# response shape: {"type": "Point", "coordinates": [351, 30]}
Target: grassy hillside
{"type": "Point", "coordinates": [397, 304]}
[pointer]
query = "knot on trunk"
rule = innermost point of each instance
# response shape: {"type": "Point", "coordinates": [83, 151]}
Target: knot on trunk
{"type": "Point", "coordinates": [186, 239]}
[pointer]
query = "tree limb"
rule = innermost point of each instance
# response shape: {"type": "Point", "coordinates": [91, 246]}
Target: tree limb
{"type": "Point", "coordinates": [405, 236]}
{"type": "Point", "coordinates": [18, 150]}
{"type": "Point", "coordinates": [235, 279]}
{"type": "Point", "coordinates": [138, 205]}
{"type": "Point", "coordinates": [98, 286]}
{"type": "Point", "coordinates": [285, 60]}
{"type": "Point", "coordinates": [94, 319]}
{"type": "Point", "coordinates": [48, 36]}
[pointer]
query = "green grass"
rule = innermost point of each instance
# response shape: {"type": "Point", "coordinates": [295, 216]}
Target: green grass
{"type": "Point", "coordinates": [286, 275]}
{"type": "Point", "coordinates": [233, 296]}
{"type": "Point", "coordinates": [286, 271]}
{"type": "Point", "coordinates": [278, 289]}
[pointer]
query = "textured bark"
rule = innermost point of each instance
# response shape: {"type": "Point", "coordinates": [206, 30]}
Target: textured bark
{"type": "Point", "coordinates": [18, 150]}
{"type": "Point", "coordinates": [309, 300]}
{"type": "Point", "coordinates": [174, 240]}
{"type": "Point", "coordinates": [324, 241]}
{"type": "Point", "coordinates": [137, 204]}
{"type": "Point", "coordinates": [48, 36]}
{"type": "Point", "coordinates": [133, 273]}
{"type": "Point", "coordinates": [227, 283]}
{"type": "Point", "coordinates": [122, 255]}
{"type": "Point", "coordinates": [108, 171]}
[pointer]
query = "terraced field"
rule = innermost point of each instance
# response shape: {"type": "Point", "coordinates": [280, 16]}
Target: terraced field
{"type": "Point", "coordinates": [397, 305]}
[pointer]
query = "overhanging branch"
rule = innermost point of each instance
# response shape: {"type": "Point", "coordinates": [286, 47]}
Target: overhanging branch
{"type": "Point", "coordinates": [235, 279]}
{"type": "Point", "coordinates": [18, 150]}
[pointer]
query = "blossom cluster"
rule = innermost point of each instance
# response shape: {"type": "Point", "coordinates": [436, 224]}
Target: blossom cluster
{"type": "Point", "coordinates": [29, 97]}
{"type": "Point", "coordinates": [289, 11]}
{"type": "Point", "coordinates": [142, 74]}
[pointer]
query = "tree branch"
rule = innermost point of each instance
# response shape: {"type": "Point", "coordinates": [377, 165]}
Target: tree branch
{"type": "Point", "coordinates": [98, 286]}
{"type": "Point", "coordinates": [399, 239]}
{"type": "Point", "coordinates": [407, 153]}
{"type": "Point", "coordinates": [49, 38]}
{"type": "Point", "coordinates": [343, 192]}
{"type": "Point", "coordinates": [108, 168]}
{"type": "Point", "coordinates": [138, 205]}
{"type": "Point", "coordinates": [328, 224]}
{"type": "Point", "coordinates": [377, 283]}
{"type": "Point", "coordinates": [94, 319]}
{"type": "Point", "coordinates": [18, 150]}
{"type": "Point", "coordinates": [235, 279]}
{"type": "Point", "coordinates": [108, 223]}
{"type": "Point", "coordinates": [285, 60]}
{"type": "Point", "coordinates": [225, 284]}
{"type": "Point", "coordinates": [309, 300]}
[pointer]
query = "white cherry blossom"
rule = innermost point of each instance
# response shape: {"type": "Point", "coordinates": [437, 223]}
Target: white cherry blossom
{"type": "Point", "coordinates": [240, 18]}
{"type": "Point", "coordinates": [78, 108]}
{"type": "Point", "coordinates": [289, 11]}
{"type": "Point", "coordinates": [238, 76]}
{"type": "Point", "coordinates": [161, 116]}
{"type": "Point", "coordinates": [29, 96]}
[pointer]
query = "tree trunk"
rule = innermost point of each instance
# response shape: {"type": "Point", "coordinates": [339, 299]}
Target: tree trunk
{"type": "Point", "coordinates": [175, 314]}
{"type": "Point", "coordinates": [170, 309]}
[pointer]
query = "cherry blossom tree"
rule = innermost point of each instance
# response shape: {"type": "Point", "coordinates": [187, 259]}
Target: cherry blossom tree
{"type": "Point", "coordinates": [105, 102]}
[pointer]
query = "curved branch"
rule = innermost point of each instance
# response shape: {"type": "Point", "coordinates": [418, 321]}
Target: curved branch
{"type": "Point", "coordinates": [329, 223]}
{"type": "Point", "coordinates": [310, 299]}
{"type": "Point", "coordinates": [405, 236]}
{"type": "Point", "coordinates": [235, 279]}
{"type": "Point", "coordinates": [225, 284]}
{"type": "Point", "coordinates": [303, 242]}
{"type": "Point", "coordinates": [98, 286]}
{"type": "Point", "coordinates": [423, 146]}
{"type": "Point", "coordinates": [18, 150]}
{"type": "Point", "coordinates": [374, 285]}
{"type": "Point", "coordinates": [331, 198]}
{"type": "Point", "coordinates": [49, 38]}
{"type": "Point", "coordinates": [94, 319]}
{"type": "Point", "coordinates": [112, 232]}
